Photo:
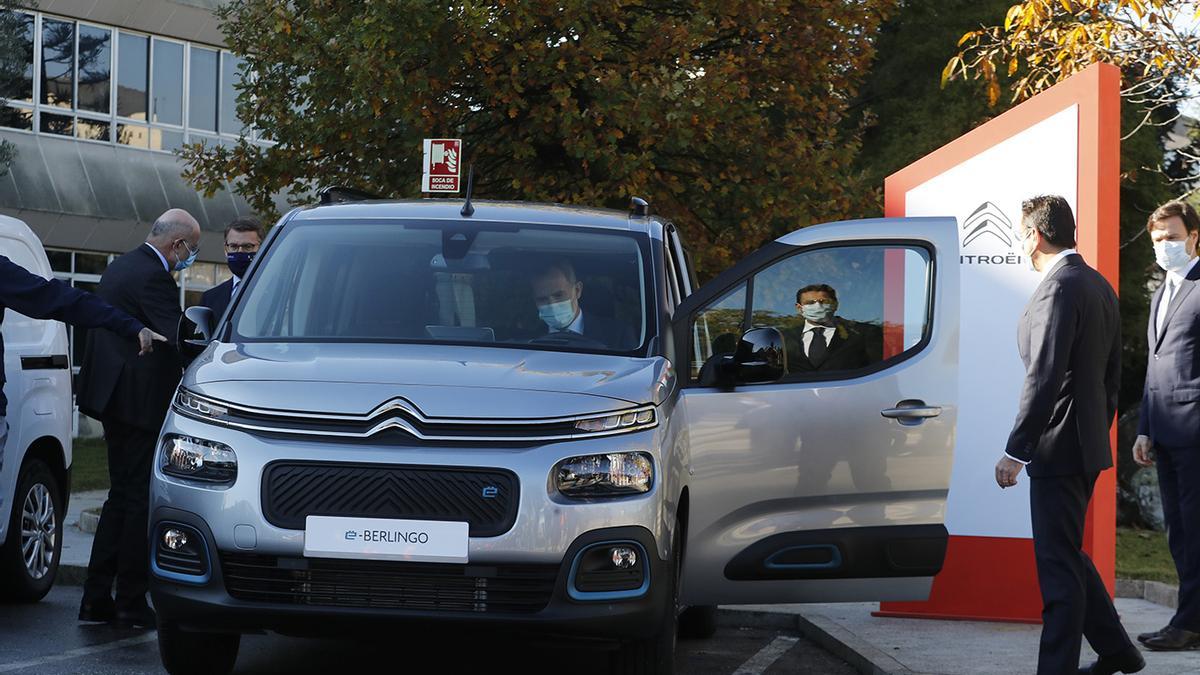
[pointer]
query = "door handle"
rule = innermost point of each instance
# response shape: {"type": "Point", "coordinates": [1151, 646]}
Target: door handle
{"type": "Point", "coordinates": [911, 411]}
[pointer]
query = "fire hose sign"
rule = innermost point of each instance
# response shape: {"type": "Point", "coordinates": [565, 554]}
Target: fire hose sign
{"type": "Point", "coordinates": [443, 166]}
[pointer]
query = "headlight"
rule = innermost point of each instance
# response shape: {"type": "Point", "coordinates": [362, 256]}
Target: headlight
{"type": "Point", "coordinates": [197, 459]}
{"type": "Point", "coordinates": [198, 406]}
{"type": "Point", "coordinates": [614, 474]}
{"type": "Point", "coordinates": [633, 420]}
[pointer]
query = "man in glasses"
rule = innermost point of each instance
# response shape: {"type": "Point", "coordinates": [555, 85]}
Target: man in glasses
{"type": "Point", "coordinates": [242, 239]}
{"type": "Point", "coordinates": [130, 397]}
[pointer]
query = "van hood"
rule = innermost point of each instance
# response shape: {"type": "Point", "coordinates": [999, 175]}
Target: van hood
{"type": "Point", "coordinates": [440, 380]}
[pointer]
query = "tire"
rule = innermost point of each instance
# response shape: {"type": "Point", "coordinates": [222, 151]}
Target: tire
{"type": "Point", "coordinates": [698, 622]}
{"type": "Point", "coordinates": [190, 653]}
{"type": "Point", "coordinates": [29, 559]}
{"type": "Point", "coordinates": [655, 654]}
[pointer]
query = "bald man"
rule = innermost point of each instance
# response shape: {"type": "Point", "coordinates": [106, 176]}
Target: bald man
{"type": "Point", "coordinates": [130, 397]}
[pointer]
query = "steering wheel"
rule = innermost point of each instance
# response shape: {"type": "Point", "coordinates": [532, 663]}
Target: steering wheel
{"type": "Point", "coordinates": [568, 337]}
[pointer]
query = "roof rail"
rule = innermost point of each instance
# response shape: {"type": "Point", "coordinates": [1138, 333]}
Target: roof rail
{"type": "Point", "coordinates": [333, 194]}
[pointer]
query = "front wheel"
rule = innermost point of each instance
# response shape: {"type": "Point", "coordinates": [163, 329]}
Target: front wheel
{"type": "Point", "coordinates": [29, 558]}
{"type": "Point", "coordinates": [190, 653]}
{"type": "Point", "coordinates": [655, 654]}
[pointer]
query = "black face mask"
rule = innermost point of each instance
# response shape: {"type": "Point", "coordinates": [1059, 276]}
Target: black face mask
{"type": "Point", "coordinates": [239, 262]}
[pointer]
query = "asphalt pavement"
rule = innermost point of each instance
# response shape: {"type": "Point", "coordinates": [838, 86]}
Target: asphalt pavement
{"type": "Point", "coordinates": [46, 639]}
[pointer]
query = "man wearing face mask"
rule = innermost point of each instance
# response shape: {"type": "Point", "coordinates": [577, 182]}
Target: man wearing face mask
{"type": "Point", "coordinates": [1169, 426]}
{"type": "Point", "coordinates": [557, 292]}
{"type": "Point", "coordinates": [130, 397]}
{"type": "Point", "coordinates": [828, 342]}
{"type": "Point", "coordinates": [242, 239]}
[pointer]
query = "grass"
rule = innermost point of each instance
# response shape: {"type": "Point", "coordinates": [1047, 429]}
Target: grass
{"type": "Point", "coordinates": [1143, 554]}
{"type": "Point", "coordinates": [89, 465]}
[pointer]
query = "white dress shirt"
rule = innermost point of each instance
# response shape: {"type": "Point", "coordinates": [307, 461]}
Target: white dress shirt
{"type": "Point", "coordinates": [160, 257]}
{"type": "Point", "coordinates": [1170, 288]}
{"type": "Point", "coordinates": [810, 328]}
{"type": "Point", "coordinates": [576, 326]}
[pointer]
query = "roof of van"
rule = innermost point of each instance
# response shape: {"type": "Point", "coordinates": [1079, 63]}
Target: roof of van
{"type": "Point", "coordinates": [495, 211]}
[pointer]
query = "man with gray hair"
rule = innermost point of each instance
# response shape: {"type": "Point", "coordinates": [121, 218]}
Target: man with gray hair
{"type": "Point", "coordinates": [130, 397]}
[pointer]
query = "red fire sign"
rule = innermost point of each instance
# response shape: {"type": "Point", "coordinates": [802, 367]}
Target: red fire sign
{"type": "Point", "coordinates": [443, 165]}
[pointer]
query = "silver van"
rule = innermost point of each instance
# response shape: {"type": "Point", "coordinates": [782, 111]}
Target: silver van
{"type": "Point", "coordinates": [529, 417]}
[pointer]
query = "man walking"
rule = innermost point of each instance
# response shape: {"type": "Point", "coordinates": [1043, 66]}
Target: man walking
{"type": "Point", "coordinates": [1070, 342]}
{"type": "Point", "coordinates": [130, 397]}
{"type": "Point", "coordinates": [1169, 429]}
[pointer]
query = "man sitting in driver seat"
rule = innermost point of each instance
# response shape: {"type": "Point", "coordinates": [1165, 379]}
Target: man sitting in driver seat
{"type": "Point", "coordinates": [557, 291]}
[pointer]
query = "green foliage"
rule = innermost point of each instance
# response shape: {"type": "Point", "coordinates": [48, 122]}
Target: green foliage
{"type": "Point", "coordinates": [728, 115]}
{"type": "Point", "coordinates": [12, 64]}
{"type": "Point", "coordinates": [1143, 554]}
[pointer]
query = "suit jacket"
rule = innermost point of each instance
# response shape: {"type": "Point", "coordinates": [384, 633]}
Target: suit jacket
{"type": "Point", "coordinates": [40, 298]}
{"type": "Point", "coordinates": [115, 384]}
{"type": "Point", "coordinates": [217, 298]}
{"type": "Point", "coordinates": [1070, 343]}
{"type": "Point", "coordinates": [1170, 413]}
{"type": "Point", "coordinates": [848, 349]}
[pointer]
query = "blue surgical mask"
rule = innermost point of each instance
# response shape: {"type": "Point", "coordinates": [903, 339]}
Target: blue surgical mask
{"type": "Point", "coordinates": [817, 312]}
{"type": "Point", "coordinates": [557, 315]}
{"type": "Point", "coordinates": [181, 265]}
{"type": "Point", "coordinates": [239, 262]}
{"type": "Point", "coordinates": [1171, 255]}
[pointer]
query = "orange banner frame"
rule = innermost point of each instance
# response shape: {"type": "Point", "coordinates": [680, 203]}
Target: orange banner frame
{"type": "Point", "coordinates": [995, 578]}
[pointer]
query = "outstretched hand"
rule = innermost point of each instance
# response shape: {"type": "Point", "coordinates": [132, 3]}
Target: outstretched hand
{"type": "Point", "coordinates": [146, 339]}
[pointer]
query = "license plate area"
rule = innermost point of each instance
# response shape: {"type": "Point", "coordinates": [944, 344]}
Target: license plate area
{"type": "Point", "coordinates": [386, 539]}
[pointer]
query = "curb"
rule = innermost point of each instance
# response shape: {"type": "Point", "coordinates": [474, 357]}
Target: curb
{"type": "Point", "coordinates": [89, 520]}
{"type": "Point", "coordinates": [1152, 591]}
{"type": "Point", "coordinates": [70, 575]}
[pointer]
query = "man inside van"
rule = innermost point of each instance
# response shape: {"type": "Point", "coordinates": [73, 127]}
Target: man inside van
{"type": "Point", "coordinates": [40, 298]}
{"type": "Point", "coordinates": [557, 292]}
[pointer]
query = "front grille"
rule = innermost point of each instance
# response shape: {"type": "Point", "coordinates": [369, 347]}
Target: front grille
{"type": "Point", "coordinates": [486, 499]}
{"type": "Point", "coordinates": [329, 582]}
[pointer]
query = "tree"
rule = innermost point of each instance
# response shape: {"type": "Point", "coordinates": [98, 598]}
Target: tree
{"type": "Point", "coordinates": [16, 43]}
{"type": "Point", "coordinates": [728, 115]}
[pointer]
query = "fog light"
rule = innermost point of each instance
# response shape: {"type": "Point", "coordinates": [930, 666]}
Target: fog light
{"type": "Point", "coordinates": [175, 539]}
{"type": "Point", "coordinates": [623, 557]}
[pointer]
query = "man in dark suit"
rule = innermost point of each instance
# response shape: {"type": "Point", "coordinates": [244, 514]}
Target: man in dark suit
{"type": "Point", "coordinates": [40, 298]}
{"type": "Point", "coordinates": [827, 342]}
{"type": "Point", "coordinates": [1070, 342]}
{"type": "Point", "coordinates": [130, 397]}
{"type": "Point", "coordinates": [242, 239]}
{"type": "Point", "coordinates": [1169, 427]}
{"type": "Point", "coordinates": [557, 292]}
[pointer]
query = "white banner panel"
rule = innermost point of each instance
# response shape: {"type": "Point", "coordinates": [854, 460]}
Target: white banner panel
{"type": "Point", "coordinates": [985, 194]}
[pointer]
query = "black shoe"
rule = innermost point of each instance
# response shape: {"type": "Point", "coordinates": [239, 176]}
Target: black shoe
{"type": "Point", "coordinates": [1146, 636]}
{"type": "Point", "coordinates": [1128, 661]}
{"type": "Point", "coordinates": [101, 610]}
{"type": "Point", "coordinates": [1174, 640]}
{"type": "Point", "coordinates": [143, 617]}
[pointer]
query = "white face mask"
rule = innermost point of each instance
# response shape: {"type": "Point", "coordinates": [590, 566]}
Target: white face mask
{"type": "Point", "coordinates": [1028, 255]}
{"type": "Point", "coordinates": [1172, 256]}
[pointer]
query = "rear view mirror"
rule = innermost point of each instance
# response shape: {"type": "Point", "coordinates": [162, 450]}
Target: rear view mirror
{"type": "Point", "coordinates": [195, 331]}
{"type": "Point", "coordinates": [760, 358]}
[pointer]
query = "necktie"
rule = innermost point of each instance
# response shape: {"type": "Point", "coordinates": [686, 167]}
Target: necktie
{"type": "Point", "coordinates": [1164, 305]}
{"type": "Point", "coordinates": [818, 347]}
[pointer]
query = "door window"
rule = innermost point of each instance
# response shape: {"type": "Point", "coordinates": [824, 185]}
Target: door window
{"type": "Point", "coordinates": [842, 311]}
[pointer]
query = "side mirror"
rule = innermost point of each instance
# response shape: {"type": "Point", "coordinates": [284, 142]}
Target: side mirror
{"type": "Point", "coordinates": [195, 331]}
{"type": "Point", "coordinates": [760, 358]}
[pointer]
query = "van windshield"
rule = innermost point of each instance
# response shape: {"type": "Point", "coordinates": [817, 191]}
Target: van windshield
{"type": "Point", "coordinates": [495, 283]}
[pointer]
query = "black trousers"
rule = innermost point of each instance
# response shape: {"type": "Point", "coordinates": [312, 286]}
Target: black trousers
{"type": "Point", "coordinates": [1179, 483]}
{"type": "Point", "coordinates": [1075, 602]}
{"type": "Point", "coordinates": [120, 551]}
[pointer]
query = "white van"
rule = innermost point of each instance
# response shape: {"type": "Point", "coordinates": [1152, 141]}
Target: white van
{"type": "Point", "coordinates": [35, 476]}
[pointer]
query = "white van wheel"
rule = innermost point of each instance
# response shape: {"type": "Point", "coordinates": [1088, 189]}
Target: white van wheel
{"type": "Point", "coordinates": [29, 558]}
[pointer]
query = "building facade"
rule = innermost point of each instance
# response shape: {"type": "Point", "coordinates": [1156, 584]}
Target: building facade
{"type": "Point", "coordinates": [111, 89]}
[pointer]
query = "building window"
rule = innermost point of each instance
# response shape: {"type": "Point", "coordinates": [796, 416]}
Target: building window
{"type": "Point", "coordinates": [133, 76]}
{"type": "Point", "coordinates": [58, 63]}
{"type": "Point", "coordinates": [95, 69]}
{"type": "Point", "coordinates": [166, 92]}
